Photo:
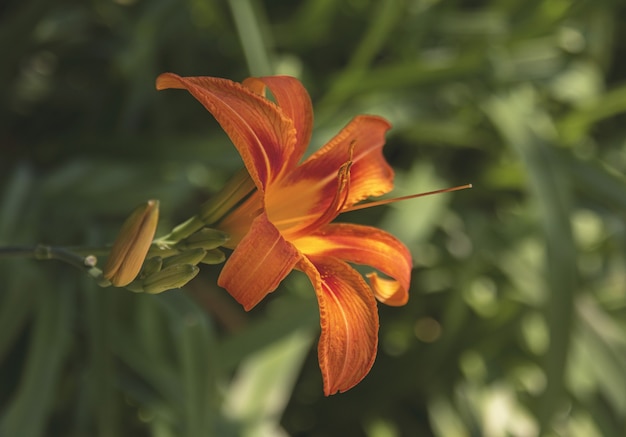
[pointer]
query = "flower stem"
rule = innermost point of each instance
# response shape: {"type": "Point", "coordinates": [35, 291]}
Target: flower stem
{"type": "Point", "coordinates": [238, 188]}
{"type": "Point", "coordinates": [85, 263]}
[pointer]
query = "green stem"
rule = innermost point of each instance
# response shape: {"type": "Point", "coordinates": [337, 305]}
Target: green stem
{"type": "Point", "coordinates": [181, 231]}
{"type": "Point", "coordinates": [237, 189]}
{"type": "Point", "coordinates": [42, 252]}
{"type": "Point", "coordinates": [17, 251]}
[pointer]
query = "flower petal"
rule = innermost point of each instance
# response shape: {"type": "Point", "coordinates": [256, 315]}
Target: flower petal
{"type": "Point", "coordinates": [349, 322]}
{"type": "Point", "coordinates": [294, 101]}
{"type": "Point", "coordinates": [370, 175]}
{"type": "Point", "coordinates": [259, 263]}
{"type": "Point", "coordinates": [264, 137]}
{"type": "Point", "coordinates": [368, 246]}
{"type": "Point", "coordinates": [388, 291]}
{"type": "Point", "coordinates": [314, 182]}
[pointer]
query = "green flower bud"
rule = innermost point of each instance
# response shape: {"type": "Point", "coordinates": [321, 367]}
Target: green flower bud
{"type": "Point", "coordinates": [205, 238]}
{"type": "Point", "coordinates": [131, 245]}
{"type": "Point", "coordinates": [135, 286]}
{"type": "Point", "coordinates": [192, 256]}
{"type": "Point", "coordinates": [151, 266]}
{"type": "Point", "coordinates": [213, 256]}
{"type": "Point", "coordinates": [172, 277]}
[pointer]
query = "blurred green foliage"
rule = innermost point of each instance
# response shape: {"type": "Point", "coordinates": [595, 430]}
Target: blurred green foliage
{"type": "Point", "coordinates": [516, 323]}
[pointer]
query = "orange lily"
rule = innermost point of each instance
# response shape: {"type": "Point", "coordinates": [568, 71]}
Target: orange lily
{"type": "Point", "coordinates": [286, 223]}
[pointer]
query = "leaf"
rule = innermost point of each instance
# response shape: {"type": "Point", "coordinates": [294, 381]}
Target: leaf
{"type": "Point", "coordinates": [528, 130]}
{"type": "Point", "coordinates": [32, 404]}
{"type": "Point", "coordinates": [264, 382]}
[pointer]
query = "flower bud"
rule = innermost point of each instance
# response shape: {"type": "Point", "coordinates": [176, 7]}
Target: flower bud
{"type": "Point", "coordinates": [192, 256]}
{"type": "Point", "coordinates": [205, 238]}
{"type": "Point", "coordinates": [213, 256]}
{"type": "Point", "coordinates": [151, 266]}
{"type": "Point", "coordinates": [131, 245]}
{"type": "Point", "coordinates": [171, 277]}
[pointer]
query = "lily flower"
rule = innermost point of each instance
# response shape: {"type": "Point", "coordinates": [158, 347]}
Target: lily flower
{"type": "Point", "coordinates": [286, 223]}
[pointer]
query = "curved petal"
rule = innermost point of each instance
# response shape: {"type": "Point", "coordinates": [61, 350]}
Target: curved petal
{"type": "Point", "coordinates": [368, 246]}
{"type": "Point", "coordinates": [294, 101]}
{"type": "Point", "coordinates": [370, 175]}
{"type": "Point", "coordinates": [388, 291]}
{"type": "Point", "coordinates": [261, 133]}
{"type": "Point", "coordinates": [259, 263]}
{"type": "Point", "coordinates": [349, 322]}
{"type": "Point", "coordinates": [314, 183]}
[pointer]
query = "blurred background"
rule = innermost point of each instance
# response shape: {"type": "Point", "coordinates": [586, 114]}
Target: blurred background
{"type": "Point", "coordinates": [516, 322]}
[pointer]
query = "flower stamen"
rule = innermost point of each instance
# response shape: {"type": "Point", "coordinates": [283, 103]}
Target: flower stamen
{"type": "Point", "coordinates": [341, 194]}
{"type": "Point", "coordinates": [411, 196]}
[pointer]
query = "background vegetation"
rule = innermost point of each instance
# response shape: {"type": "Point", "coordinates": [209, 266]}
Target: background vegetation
{"type": "Point", "coordinates": [516, 322]}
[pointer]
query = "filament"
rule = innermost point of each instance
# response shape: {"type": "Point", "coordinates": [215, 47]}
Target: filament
{"type": "Point", "coordinates": [398, 199]}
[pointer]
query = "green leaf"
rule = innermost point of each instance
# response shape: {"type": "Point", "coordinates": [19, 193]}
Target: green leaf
{"type": "Point", "coordinates": [263, 384]}
{"type": "Point", "coordinates": [528, 130]}
{"type": "Point", "coordinates": [34, 401]}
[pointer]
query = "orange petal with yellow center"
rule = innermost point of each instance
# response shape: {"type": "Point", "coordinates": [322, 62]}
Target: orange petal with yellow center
{"type": "Point", "coordinates": [314, 183]}
{"type": "Point", "coordinates": [371, 175]}
{"type": "Point", "coordinates": [369, 246]}
{"type": "Point", "coordinates": [349, 322]}
{"type": "Point", "coordinates": [263, 135]}
{"type": "Point", "coordinates": [259, 263]}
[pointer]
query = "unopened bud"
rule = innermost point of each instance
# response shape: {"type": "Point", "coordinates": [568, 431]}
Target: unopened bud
{"type": "Point", "coordinates": [172, 277]}
{"type": "Point", "coordinates": [151, 266]}
{"type": "Point", "coordinates": [193, 257]}
{"type": "Point", "coordinates": [131, 245]}
{"type": "Point", "coordinates": [213, 256]}
{"type": "Point", "coordinates": [136, 286]}
{"type": "Point", "coordinates": [205, 238]}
